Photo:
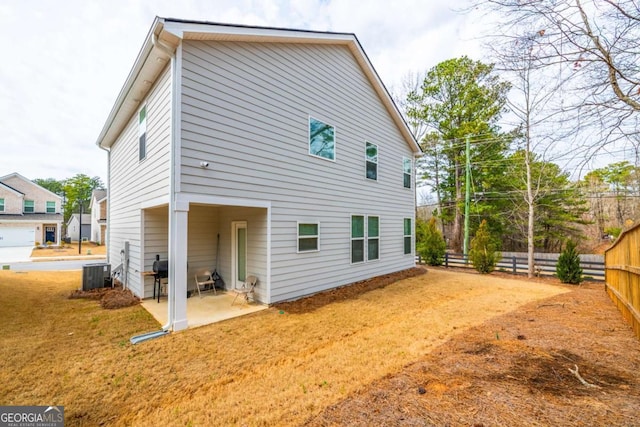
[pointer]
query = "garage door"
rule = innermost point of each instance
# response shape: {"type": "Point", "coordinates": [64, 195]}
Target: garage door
{"type": "Point", "coordinates": [17, 236]}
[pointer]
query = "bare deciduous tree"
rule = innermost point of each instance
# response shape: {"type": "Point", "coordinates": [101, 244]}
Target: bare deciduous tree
{"type": "Point", "coordinates": [594, 42]}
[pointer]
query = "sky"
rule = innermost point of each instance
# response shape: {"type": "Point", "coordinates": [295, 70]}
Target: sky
{"type": "Point", "coordinates": [64, 62]}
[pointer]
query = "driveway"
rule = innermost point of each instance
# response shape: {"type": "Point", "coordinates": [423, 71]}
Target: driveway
{"type": "Point", "coordinates": [15, 254]}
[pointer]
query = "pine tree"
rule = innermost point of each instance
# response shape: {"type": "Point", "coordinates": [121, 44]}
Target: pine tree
{"type": "Point", "coordinates": [483, 253]}
{"type": "Point", "coordinates": [568, 266]}
{"type": "Point", "coordinates": [431, 244]}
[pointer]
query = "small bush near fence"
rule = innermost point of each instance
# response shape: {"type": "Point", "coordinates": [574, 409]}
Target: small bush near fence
{"type": "Point", "coordinates": [483, 253]}
{"type": "Point", "coordinates": [431, 244]}
{"type": "Point", "coordinates": [568, 268]}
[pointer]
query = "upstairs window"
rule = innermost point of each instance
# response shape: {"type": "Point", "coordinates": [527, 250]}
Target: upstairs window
{"type": "Point", "coordinates": [371, 158]}
{"type": "Point", "coordinates": [308, 237]}
{"type": "Point", "coordinates": [1, 205]}
{"type": "Point", "coordinates": [51, 207]}
{"type": "Point", "coordinates": [407, 236]}
{"type": "Point", "coordinates": [29, 206]}
{"type": "Point", "coordinates": [322, 139]}
{"type": "Point", "coordinates": [142, 133]}
{"type": "Point", "coordinates": [406, 166]}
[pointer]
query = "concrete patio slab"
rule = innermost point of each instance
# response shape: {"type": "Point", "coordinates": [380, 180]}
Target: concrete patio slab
{"type": "Point", "coordinates": [203, 311]}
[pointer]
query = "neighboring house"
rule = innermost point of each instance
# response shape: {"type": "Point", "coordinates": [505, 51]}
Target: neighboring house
{"type": "Point", "coordinates": [98, 208]}
{"type": "Point", "coordinates": [74, 229]}
{"type": "Point", "coordinates": [29, 213]}
{"type": "Point", "coordinates": [262, 151]}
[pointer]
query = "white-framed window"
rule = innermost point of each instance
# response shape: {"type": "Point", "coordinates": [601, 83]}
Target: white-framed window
{"type": "Point", "coordinates": [406, 169]}
{"type": "Point", "coordinates": [408, 232]}
{"type": "Point", "coordinates": [308, 236]}
{"type": "Point", "coordinates": [142, 133]}
{"type": "Point", "coordinates": [322, 139]}
{"type": "Point", "coordinates": [371, 160]}
{"type": "Point", "coordinates": [365, 238]}
{"type": "Point", "coordinates": [51, 207]}
{"type": "Point", "coordinates": [357, 238]}
{"type": "Point", "coordinates": [1, 205]}
{"type": "Point", "coordinates": [373, 238]}
{"type": "Point", "coordinates": [29, 206]}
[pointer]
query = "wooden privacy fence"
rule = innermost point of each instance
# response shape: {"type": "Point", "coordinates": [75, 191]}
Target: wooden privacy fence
{"type": "Point", "coordinates": [622, 275]}
{"type": "Point", "coordinates": [545, 264]}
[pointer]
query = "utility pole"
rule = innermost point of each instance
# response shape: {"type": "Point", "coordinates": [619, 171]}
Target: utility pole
{"type": "Point", "coordinates": [467, 198]}
{"type": "Point", "coordinates": [80, 232]}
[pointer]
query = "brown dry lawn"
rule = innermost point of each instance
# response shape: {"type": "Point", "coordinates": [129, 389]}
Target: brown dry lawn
{"type": "Point", "coordinates": [70, 249]}
{"type": "Point", "coordinates": [443, 348]}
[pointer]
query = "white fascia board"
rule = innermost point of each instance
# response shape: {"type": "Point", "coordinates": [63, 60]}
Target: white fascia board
{"type": "Point", "coordinates": [190, 30]}
{"type": "Point", "coordinates": [28, 181]}
{"type": "Point", "coordinates": [188, 198]}
{"type": "Point", "coordinates": [384, 95]}
{"type": "Point", "coordinates": [148, 65]}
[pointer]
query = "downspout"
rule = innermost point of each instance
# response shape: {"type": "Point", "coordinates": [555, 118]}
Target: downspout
{"type": "Point", "coordinates": [166, 328]}
{"type": "Point", "coordinates": [171, 290]}
{"type": "Point", "coordinates": [106, 237]}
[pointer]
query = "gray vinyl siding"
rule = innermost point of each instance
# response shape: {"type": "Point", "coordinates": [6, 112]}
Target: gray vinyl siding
{"type": "Point", "coordinates": [256, 245]}
{"type": "Point", "coordinates": [245, 109]}
{"type": "Point", "coordinates": [134, 183]}
{"type": "Point", "coordinates": [156, 241]}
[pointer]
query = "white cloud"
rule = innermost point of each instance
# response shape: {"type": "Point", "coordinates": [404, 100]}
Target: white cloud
{"type": "Point", "coordinates": [65, 62]}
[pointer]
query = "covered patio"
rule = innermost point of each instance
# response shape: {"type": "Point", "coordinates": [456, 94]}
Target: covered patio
{"type": "Point", "coordinates": [206, 310]}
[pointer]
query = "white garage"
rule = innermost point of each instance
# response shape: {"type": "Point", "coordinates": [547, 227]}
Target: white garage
{"type": "Point", "coordinates": [17, 236]}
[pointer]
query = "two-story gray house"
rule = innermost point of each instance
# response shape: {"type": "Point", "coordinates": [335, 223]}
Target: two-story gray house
{"type": "Point", "coordinates": [272, 152]}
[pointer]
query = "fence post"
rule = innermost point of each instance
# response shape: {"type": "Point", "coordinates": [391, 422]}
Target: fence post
{"type": "Point", "coordinates": [513, 262]}
{"type": "Point", "coordinates": [446, 259]}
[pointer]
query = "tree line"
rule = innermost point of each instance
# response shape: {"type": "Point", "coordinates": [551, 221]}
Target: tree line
{"type": "Point", "coordinates": [75, 192]}
{"type": "Point", "coordinates": [563, 84]}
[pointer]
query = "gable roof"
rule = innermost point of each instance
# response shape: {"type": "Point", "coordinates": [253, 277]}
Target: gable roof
{"type": "Point", "coordinates": [99, 196]}
{"type": "Point", "coordinates": [166, 34]}
{"type": "Point", "coordinates": [86, 218]}
{"type": "Point", "coordinates": [28, 181]}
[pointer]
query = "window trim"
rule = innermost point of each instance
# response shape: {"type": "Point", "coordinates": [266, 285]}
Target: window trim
{"type": "Point", "coordinates": [365, 238]}
{"type": "Point", "coordinates": [142, 133]}
{"type": "Point", "coordinates": [367, 161]}
{"type": "Point", "coordinates": [316, 236]}
{"type": "Point", "coordinates": [410, 236]}
{"type": "Point", "coordinates": [369, 238]}
{"type": "Point", "coordinates": [335, 140]}
{"type": "Point", "coordinates": [33, 206]}
{"type": "Point", "coordinates": [2, 204]}
{"type": "Point", "coordinates": [53, 209]}
{"type": "Point", "coordinates": [352, 239]}
{"type": "Point", "coordinates": [405, 173]}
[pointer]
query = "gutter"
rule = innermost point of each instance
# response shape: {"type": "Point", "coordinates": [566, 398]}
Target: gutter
{"type": "Point", "coordinates": [166, 328]}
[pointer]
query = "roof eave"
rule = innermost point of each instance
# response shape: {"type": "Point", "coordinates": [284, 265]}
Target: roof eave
{"type": "Point", "coordinates": [151, 60]}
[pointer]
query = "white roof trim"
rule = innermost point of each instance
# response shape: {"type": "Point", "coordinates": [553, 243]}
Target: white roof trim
{"type": "Point", "coordinates": [166, 34]}
{"type": "Point", "coordinates": [27, 180]}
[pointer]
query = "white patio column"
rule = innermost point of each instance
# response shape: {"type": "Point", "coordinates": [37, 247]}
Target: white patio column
{"type": "Point", "coordinates": [59, 233]}
{"type": "Point", "coordinates": [178, 225]}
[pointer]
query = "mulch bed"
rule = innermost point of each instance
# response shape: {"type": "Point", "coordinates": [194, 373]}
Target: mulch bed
{"type": "Point", "coordinates": [353, 290]}
{"type": "Point", "coordinates": [110, 298]}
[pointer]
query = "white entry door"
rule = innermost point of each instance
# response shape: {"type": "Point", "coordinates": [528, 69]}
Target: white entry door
{"type": "Point", "coordinates": [239, 252]}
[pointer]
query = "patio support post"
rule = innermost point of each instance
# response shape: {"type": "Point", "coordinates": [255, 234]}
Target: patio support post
{"type": "Point", "coordinates": [178, 223]}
